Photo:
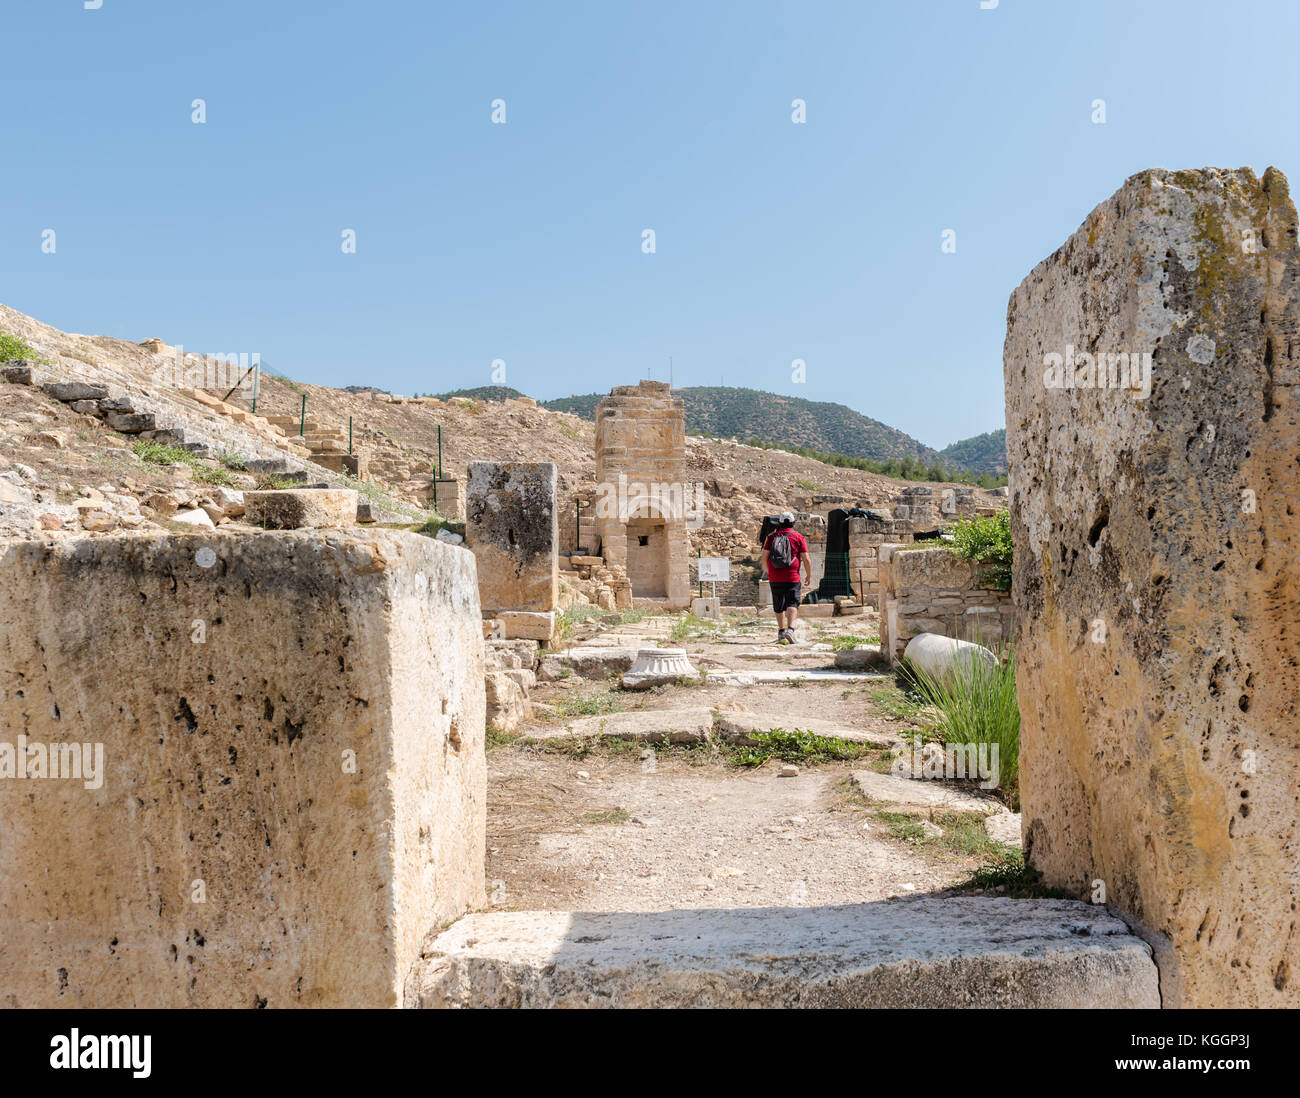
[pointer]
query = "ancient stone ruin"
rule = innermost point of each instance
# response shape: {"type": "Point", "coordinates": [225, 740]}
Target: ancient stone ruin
{"type": "Point", "coordinates": [254, 766]}
{"type": "Point", "coordinates": [1152, 421]}
{"type": "Point", "coordinates": [935, 591]}
{"type": "Point", "coordinates": [644, 500]}
{"type": "Point", "coordinates": [510, 526]}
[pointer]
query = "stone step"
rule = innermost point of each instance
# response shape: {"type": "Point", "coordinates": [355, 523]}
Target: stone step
{"type": "Point", "coordinates": [936, 953]}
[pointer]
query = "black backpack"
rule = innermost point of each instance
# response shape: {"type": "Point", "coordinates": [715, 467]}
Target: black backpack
{"type": "Point", "coordinates": [780, 552]}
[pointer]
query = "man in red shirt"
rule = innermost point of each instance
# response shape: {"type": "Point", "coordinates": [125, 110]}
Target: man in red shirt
{"type": "Point", "coordinates": [785, 556]}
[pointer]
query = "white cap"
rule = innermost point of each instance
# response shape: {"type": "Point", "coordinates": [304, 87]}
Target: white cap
{"type": "Point", "coordinates": [786, 516]}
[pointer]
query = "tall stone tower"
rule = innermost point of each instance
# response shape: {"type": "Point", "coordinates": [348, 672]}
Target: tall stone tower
{"type": "Point", "coordinates": [643, 501]}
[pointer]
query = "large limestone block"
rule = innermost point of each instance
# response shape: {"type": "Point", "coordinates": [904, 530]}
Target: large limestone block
{"type": "Point", "coordinates": [955, 952]}
{"type": "Point", "coordinates": [1156, 534]}
{"type": "Point", "coordinates": [940, 569]}
{"type": "Point", "coordinates": [511, 525]}
{"type": "Point", "coordinates": [293, 782]}
{"type": "Point", "coordinates": [528, 625]}
{"type": "Point", "coordinates": [301, 508]}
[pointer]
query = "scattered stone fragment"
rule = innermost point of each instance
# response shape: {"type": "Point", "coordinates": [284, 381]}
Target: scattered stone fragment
{"type": "Point", "coordinates": [97, 521]}
{"type": "Point", "coordinates": [197, 517]}
{"type": "Point", "coordinates": [68, 391]}
{"type": "Point", "coordinates": [1004, 828]}
{"type": "Point", "coordinates": [789, 770]}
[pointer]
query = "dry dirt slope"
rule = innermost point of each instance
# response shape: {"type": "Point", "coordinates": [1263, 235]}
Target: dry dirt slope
{"type": "Point", "coordinates": [743, 483]}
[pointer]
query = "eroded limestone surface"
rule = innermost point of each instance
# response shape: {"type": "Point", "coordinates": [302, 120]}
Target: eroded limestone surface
{"type": "Point", "coordinates": [1157, 594]}
{"type": "Point", "coordinates": [973, 952]}
{"type": "Point", "coordinates": [293, 781]}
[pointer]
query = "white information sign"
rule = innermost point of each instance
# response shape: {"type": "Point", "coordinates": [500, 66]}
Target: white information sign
{"type": "Point", "coordinates": [715, 570]}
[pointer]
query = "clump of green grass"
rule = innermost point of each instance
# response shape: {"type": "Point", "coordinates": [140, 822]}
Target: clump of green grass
{"type": "Point", "coordinates": [496, 737]}
{"type": "Point", "coordinates": [269, 482]}
{"type": "Point", "coordinates": [435, 524]}
{"type": "Point", "coordinates": [851, 640]}
{"type": "Point", "coordinates": [163, 453]}
{"type": "Point", "coordinates": [386, 501]}
{"type": "Point", "coordinates": [606, 816]}
{"type": "Point", "coordinates": [794, 747]}
{"type": "Point", "coordinates": [963, 835]}
{"type": "Point", "coordinates": [688, 627]}
{"type": "Point", "coordinates": [232, 460]}
{"type": "Point", "coordinates": [1008, 875]}
{"type": "Point", "coordinates": [572, 616]}
{"type": "Point", "coordinates": [900, 702]}
{"type": "Point", "coordinates": [589, 703]}
{"type": "Point", "coordinates": [13, 347]}
{"type": "Point", "coordinates": [977, 703]}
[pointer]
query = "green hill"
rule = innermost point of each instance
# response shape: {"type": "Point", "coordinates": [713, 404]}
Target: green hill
{"type": "Point", "coordinates": [781, 420]}
{"type": "Point", "coordinates": [483, 392]}
{"type": "Point", "coordinates": [985, 453]}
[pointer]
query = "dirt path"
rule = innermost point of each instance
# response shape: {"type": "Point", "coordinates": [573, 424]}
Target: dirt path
{"type": "Point", "coordinates": [638, 829]}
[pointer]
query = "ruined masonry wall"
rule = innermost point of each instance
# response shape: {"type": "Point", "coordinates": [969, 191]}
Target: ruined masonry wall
{"type": "Point", "coordinates": [935, 591]}
{"type": "Point", "coordinates": [641, 435]}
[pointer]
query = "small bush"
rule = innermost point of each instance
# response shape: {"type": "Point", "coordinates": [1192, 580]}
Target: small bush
{"type": "Point", "coordinates": [986, 540]}
{"type": "Point", "coordinates": [13, 347]}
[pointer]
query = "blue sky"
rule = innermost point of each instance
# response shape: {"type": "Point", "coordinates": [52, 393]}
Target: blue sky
{"type": "Point", "coordinates": [477, 241]}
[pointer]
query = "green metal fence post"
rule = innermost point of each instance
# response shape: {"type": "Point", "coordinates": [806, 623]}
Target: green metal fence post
{"type": "Point", "coordinates": [349, 434]}
{"type": "Point", "coordinates": [302, 422]}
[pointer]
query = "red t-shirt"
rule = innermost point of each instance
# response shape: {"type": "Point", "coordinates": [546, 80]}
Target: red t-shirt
{"type": "Point", "coordinates": [797, 546]}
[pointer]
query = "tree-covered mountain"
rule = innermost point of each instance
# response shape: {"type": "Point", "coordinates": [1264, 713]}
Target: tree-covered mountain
{"type": "Point", "coordinates": [784, 420]}
{"type": "Point", "coordinates": [985, 453]}
{"type": "Point", "coordinates": [483, 392]}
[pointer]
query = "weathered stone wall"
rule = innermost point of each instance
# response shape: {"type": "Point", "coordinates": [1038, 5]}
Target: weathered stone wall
{"type": "Point", "coordinates": [640, 443]}
{"type": "Point", "coordinates": [293, 783]}
{"type": "Point", "coordinates": [866, 536]}
{"type": "Point", "coordinates": [935, 591]}
{"type": "Point", "coordinates": [1156, 535]}
{"type": "Point", "coordinates": [510, 525]}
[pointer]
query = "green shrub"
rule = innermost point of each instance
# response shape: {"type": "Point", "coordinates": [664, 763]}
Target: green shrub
{"type": "Point", "coordinates": [13, 347]}
{"type": "Point", "coordinates": [977, 703]}
{"type": "Point", "coordinates": [162, 453]}
{"type": "Point", "coordinates": [986, 540]}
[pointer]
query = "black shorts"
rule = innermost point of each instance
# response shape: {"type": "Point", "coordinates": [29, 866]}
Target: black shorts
{"type": "Point", "coordinates": [784, 596]}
